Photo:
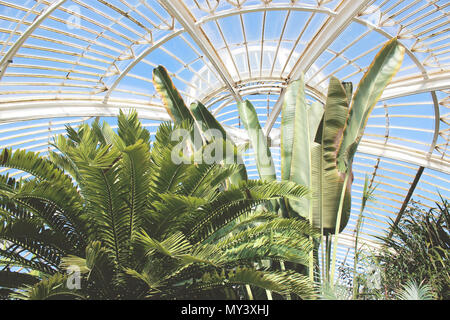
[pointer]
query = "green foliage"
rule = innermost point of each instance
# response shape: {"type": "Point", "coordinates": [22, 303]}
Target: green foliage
{"type": "Point", "coordinates": [368, 195]}
{"type": "Point", "coordinates": [413, 291]}
{"type": "Point", "coordinates": [52, 288]}
{"type": "Point", "coordinates": [137, 225]}
{"type": "Point", "coordinates": [318, 144]}
{"type": "Point", "coordinates": [336, 292]}
{"type": "Point", "coordinates": [205, 126]}
{"type": "Point", "coordinates": [418, 250]}
{"type": "Point", "coordinates": [263, 158]}
{"type": "Point", "coordinates": [172, 99]}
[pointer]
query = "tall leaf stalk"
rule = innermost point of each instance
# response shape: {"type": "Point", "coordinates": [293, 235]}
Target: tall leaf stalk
{"type": "Point", "coordinates": [368, 192]}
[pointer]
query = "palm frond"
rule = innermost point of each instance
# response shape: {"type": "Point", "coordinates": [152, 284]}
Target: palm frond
{"type": "Point", "coordinates": [203, 179]}
{"type": "Point", "coordinates": [166, 174]}
{"type": "Point", "coordinates": [32, 163]}
{"type": "Point", "coordinates": [236, 201]}
{"type": "Point", "coordinates": [130, 129]}
{"type": "Point", "coordinates": [413, 291]}
{"type": "Point", "coordinates": [168, 211]}
{"type": "Point", "coordinates": [52, 288]}
{"type": "Point", "coordinates": [134, 175]}
{"type": "Point", "coordinates": [286, 282]}
{"type": "Point", "coordinates": [10, 279]}
{"type": "Point", "coordinates": [30, 235]}
{"type": "Point", "coordinates": [336, 292]}
{"type": "Point", "coordinates": [16, 259]}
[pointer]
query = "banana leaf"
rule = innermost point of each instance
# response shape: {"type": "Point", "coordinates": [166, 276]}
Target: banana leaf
{"type": "Point", "coordinates": [203, 120]}
{"type": "Point", "coordinates": [207, 122]}
{"type": "Point", "coordinates": [170, 96]}
{"type": "Point", "coordinates": [315, 117]}
{"type": "Point", "coordinates": [343, 128]}
{"type": "Point", "coordinates": [296, 143]}
{"type": "Point", "coordinates": [174, 104]}
{"type": "Point", "coordinates": [383, 68]}
{"type": "Point", "coordinates": [327, 175]}
{"type": "Point", "coordinates": [258, 140]}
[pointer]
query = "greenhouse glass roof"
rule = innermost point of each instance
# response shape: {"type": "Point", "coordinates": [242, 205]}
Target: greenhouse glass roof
{"type": "Point", "coordinates": [67, 61]}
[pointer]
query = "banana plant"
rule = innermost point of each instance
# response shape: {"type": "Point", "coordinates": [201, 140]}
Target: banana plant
{"type": "Point", "coordinates": [318, 143]}
{"type": "Point", "coordinates": [206, 127]}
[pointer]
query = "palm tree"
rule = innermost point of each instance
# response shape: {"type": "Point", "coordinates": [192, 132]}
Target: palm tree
{"type": "Point", "coordinates": [115, 209]}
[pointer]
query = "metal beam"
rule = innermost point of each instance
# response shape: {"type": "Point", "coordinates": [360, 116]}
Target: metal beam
{"type": "Point", "coordinates": [330, 30]}
{"type": "Point", "coordinates": [24, 111]}
{"type": "Point", "coordinates": [263, 7]}
{"type": "Point", "coordinates": [7, 58]}
{"type": "Point", "coordinates": [401, 153]}
{"type": "Point", "coordinates": [407, 198]}
{"type": "Point", "coordinates": [179, 11]}
{"type": "Point", "coordinates": [414, 86]}
{"type": "Point", "coordinates": [138, 59]}
{"type": "Point", "coordinates": [366, 146]}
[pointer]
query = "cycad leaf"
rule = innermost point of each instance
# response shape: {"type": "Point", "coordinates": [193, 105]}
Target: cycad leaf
{"type": "Point", "coordinates": [9, 279]}
{"type": "Point", "coordinates": [281, 282]}
{"type": "Point", "coordinates": [134, 174]}
{"type": "Point", "coordinates": [236, 201]}
{"type": "Point", "coordinates": [53, 288]}
{"type": "Point", "coordinates": [174, 246]}
{"type": "Point", "coordinates": [32, 163]}
{"type": "Point", "coordinates": [130, 129]}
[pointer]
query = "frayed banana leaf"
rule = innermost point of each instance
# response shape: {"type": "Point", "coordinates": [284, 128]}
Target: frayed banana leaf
{"type": "Point", "coordinates": [296, 139]}
{"type": "Point", "coordinates": [212, 129]}
{"type": "Point", "coordinates": [258, 140]}
{"type": "Point", "coordinates": [172, 100]}
{"type": "Point", "coordinates": [383, 68]}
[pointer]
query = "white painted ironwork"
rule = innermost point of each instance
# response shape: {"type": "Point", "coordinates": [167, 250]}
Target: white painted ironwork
{"type": "Point", "coordinates": [52, 71]}
{"type": "Point", "coordinates": [7, 58]}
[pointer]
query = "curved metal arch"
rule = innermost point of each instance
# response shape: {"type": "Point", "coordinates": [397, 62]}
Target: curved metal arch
{"type": "Point", "coordinates": [178, 10]}
{"type": "Point", "coordinates": [262, 8]}
{"type": "Point", "coordinates": [367, 146]}
{"type": "Point", "coordinates": [401, 89]}
{"type": "Point", "coordinates": [25, 111]}
{"type": "Point", "coordinates": [427, 85]}
{"type": "Point", "coordinates": [18, 44]}
{"type": "Point", "coordinates": [329, 31]}
{"type": "Point", "coordinates": [138, 59]}
{"type": "Point", "coordinates": [345, 16]}
{"type": "Point", "coordinates": [217, 16]}
{"type": "Point", "coordinates": [276, 90]}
